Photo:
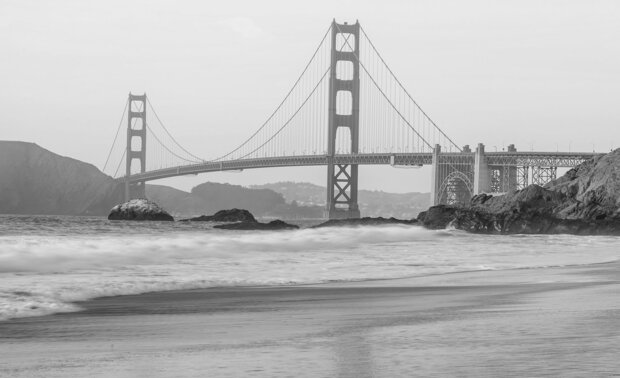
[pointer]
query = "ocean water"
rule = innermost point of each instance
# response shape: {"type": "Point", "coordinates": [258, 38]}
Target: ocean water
{"type": "Point", "coordinates": [47, 263]}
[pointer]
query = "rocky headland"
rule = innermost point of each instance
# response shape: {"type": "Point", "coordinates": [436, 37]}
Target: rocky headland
{"type": "Point", "coordinates": [585, 201]}
{"type": "Point", "coordinates": [139, 210]}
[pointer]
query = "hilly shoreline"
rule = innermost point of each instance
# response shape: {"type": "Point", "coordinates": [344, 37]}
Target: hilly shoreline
{"type": "Point", "coordinates": [36, 181]}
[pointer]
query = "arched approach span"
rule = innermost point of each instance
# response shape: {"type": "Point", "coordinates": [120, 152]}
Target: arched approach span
{"type": "Point", "coordinates": [457, 187]}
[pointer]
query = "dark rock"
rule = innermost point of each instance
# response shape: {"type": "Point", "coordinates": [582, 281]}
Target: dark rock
{"type": "Point", "coordinates": [366, 221]}
{"type": "Point", "coordinates": [480, 199]}
{"type": "Point", "coordinates": [586, 200]}
{"type": "Point", "coordinates": [241, 220]}
{"type": "Point", "coordinates": [273, 225]}
{"type": "Point", "coordinates": [139, 209]}
{"type": "Point", "coordinates": [437, 217]}
{"type": "Point", "coordinates": [231, 215]}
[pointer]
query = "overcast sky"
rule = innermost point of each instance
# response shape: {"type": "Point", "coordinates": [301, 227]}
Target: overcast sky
{"type": "Point", "coordinates": [539, 74]}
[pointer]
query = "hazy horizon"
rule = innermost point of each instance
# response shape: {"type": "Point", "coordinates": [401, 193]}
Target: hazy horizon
{"type": "Point", "coordinates": [543, 76]}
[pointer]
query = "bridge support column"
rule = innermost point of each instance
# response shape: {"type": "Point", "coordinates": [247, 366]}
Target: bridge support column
{"type": "Point", "coordinates": [136, 144]}
{"type": "Point", "coordinates": [342, 178]}
{"type": "Point", "coordinates": [482, 174]}
{"type": "Point", "coordinates": [509, 179]}
{"type": "Point", "coordinates": [435, 177]}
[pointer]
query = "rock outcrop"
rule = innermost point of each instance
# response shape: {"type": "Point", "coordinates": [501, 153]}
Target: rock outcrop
{"type": "Point", "coordinates": [273, 225]}
{"type": "Point", "coordinates": [240, 219]}
{"type": "Point", "coordinates": [231, 215]}
{"type": "Point", "coordinates": [366, 221]}
{"type": "Point", "coordinates": [139, 210]}
{"type": "Point", "coordinates": [586, 200]}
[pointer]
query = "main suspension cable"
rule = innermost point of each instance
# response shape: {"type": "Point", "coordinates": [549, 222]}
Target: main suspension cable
{"type": "Point", "coordinates": [281, 103]}
{"type": "Point", "coordinates": [118, 129]}
{"type": "Point", "coordinates": [120, 163]}
{"type": "Point", "coordinates": [291, 118]}
{"type": "Point", "coordinates": [169, 150]}
{"type": "Point", "coordinates": [405, 90]}
{"type": "Point", "coordinates": [169, 134]}
{"type": "Point", "coordinates": [383, 93]}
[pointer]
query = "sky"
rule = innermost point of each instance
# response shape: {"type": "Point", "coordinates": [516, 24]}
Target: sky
{"type": "Point", "coordinates": [544, 75]}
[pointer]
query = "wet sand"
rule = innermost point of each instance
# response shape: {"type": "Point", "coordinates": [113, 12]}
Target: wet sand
{"type": "Point", "coordinates": [539, 322]}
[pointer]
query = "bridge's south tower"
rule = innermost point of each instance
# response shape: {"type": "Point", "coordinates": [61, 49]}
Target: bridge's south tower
{"type": "Point", "coordinates": [136, 143]}
{"type": "Point", "coordinates": [343, 114]}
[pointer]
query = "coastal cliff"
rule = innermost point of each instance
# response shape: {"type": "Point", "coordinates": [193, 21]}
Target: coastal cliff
{"type": "Point", "coordinates": [586, 200]}
{"type": "Point", "coordinates": [34, 180]}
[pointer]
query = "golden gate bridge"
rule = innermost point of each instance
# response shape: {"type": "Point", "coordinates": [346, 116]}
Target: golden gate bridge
{"type": "Point", "coordinates": [347, 108]}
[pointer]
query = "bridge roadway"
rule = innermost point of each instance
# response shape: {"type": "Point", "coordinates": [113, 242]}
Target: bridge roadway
{"type": "Point", "coordinates": [513, 158]}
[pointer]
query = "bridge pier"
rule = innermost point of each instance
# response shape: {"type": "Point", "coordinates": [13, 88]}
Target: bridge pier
{"type": "Point", "coordinates": [435, 182]}
{"type": "Point", "coordinates": [482, 178]}
{"type": "Point", "coordinates": [495, 178]}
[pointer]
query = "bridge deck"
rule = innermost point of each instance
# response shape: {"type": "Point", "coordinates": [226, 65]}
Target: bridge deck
{"type": "Point", "coordinates": [520, 158]}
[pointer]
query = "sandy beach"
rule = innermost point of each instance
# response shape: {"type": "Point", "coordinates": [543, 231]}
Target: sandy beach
{"type": "Point", "coordinates": [529, 322]}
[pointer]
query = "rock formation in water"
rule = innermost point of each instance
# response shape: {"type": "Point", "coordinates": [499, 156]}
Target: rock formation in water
{"type": "Point", "coordinates": [366, 221]}
{"type": "Point", "coordinates": [231, 215]}
{"type": "Point", "coordinates": [34, 180]}
{"type": "Point", "coordinates": [586, 200]}
{"type": "Point", "coordinates": [139, 210]}
{"type": "Point", "coordinates": [240, 219]}
{"type": "Point", "coordinates": [273, 225]}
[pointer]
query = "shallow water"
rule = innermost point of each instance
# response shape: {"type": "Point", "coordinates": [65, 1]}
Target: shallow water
{"type": "Point", "coordinates": [48, 262]}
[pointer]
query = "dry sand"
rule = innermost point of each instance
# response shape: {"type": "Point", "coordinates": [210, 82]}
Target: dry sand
{"type": "Point", "coordinates": [562, 322]}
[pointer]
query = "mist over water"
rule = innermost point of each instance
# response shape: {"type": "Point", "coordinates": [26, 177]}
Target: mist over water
{"type": "Point", "coordinates": [47, 263]}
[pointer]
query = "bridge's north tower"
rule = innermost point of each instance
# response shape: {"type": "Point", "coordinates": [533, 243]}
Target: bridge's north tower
{"type": "Point", "coordinates": [136, 144]}
{"type": "Point", "coordinates": [342, 178]}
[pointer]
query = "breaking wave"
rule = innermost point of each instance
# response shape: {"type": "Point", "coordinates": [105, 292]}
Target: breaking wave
{"type": "Point", "coordinates": [47, 271]}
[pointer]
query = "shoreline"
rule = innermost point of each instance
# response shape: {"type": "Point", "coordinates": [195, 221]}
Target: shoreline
{"type": "Point", "coordinates": [516, 322]}
{"type": "Point", "coordinates": [407, 281]}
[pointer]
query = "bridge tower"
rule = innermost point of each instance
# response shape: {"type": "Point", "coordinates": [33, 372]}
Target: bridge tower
{"type": "Point", "coordinates": [342, 178]}
{"type": "Point", "coordinates": [136, 132]}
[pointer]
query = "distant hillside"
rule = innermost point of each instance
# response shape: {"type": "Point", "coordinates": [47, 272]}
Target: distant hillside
{"type": "Point", "coordinates": [304, 193]}
{"type": "Point", "coordinates": [34, 180]}
{"type": "Point", "coordinates": [372, 203]}
{"type": "Point", "coordinates": [210, 197]}
{"type": "Point", "coordinates": [176, 202]}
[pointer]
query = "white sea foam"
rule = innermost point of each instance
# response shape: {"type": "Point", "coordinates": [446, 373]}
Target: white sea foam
{"type": "Point", "coordinates": [60, 254]}
{"type": "Point", "coordinates": [45, 272]}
